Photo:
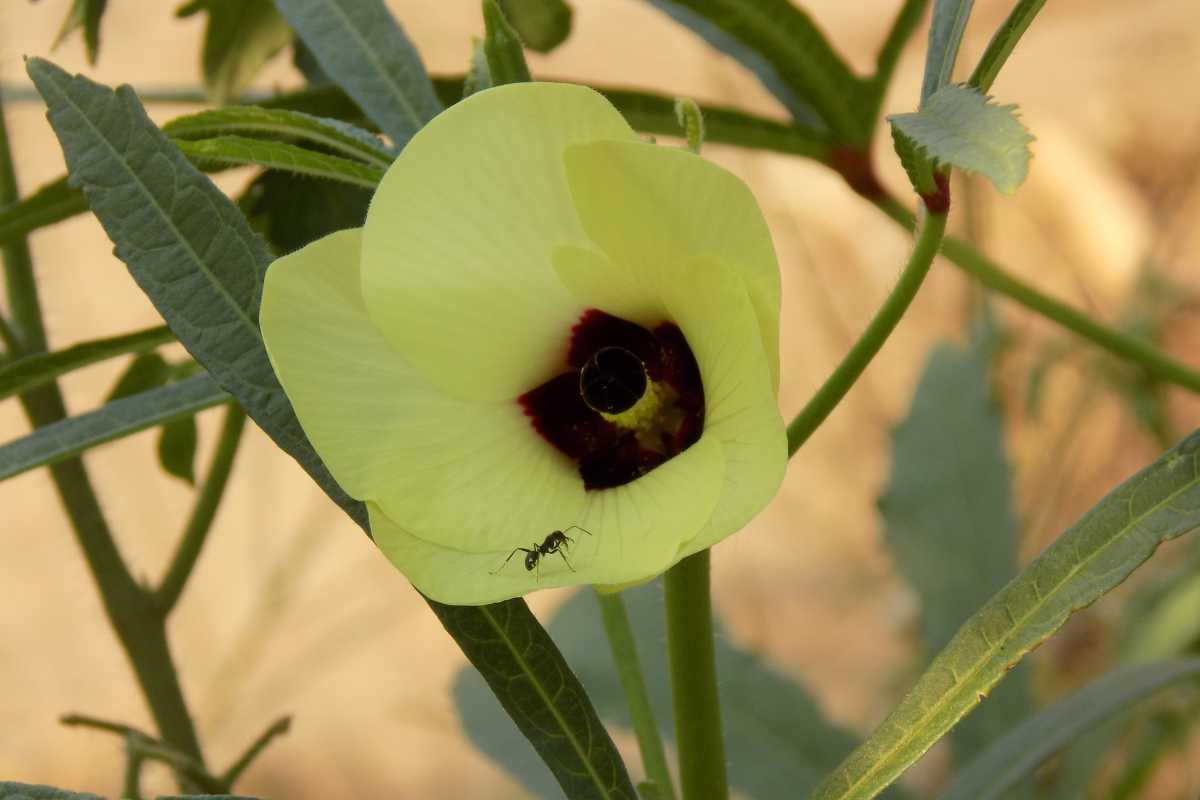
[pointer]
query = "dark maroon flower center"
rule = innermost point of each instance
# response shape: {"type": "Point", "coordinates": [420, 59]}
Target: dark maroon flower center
{"type": "Point", "coordinates": [628, 399]}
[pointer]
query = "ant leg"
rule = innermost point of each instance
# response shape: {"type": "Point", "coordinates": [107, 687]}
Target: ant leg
{"type": "Point", "coordinates": [510, 555]}
{"type": "Point", "coordinates": [564, 558]}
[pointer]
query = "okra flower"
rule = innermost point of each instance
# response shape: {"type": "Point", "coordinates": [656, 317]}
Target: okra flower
{"type": "Point", "coordinates": [545, 322]}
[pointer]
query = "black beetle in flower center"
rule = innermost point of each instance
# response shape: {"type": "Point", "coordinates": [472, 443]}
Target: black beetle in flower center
{"type": "Point", "coordinates": [629, 399]}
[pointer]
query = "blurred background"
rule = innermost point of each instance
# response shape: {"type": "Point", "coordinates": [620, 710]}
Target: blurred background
{"type": "Point", "coordinates": [291, 610]}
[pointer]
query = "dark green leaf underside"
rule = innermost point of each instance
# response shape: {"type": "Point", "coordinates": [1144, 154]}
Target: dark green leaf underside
{"type": "Point", "coordinates": [120, 418]}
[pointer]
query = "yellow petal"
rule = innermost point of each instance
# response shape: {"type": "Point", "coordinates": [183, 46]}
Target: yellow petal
{"type": "Point", "coordinates": [457, 244]}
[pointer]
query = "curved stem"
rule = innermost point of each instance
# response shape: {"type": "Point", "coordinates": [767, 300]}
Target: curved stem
{"type": "Point", "coordinates": [694, 680]}
{"type": "Point", "coordinates": [629, 670]}
{"type": "Point", "coordinates": [203, 512]}
{"type": "Point", "coordinates": [872, 339]}
{"type": "Point", "coordinates": [1153, 360]}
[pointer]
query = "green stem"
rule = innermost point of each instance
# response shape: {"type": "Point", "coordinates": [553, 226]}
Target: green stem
{"type": "Point", "coordinates": [277, 728]}
{"type": "Point", "coordinates": [130, 608]}
{"type": "Point", "coordinates": [203, 512]}
{"type": "Point", "coordinates": [872, 339]}
{"type": "Point", "coordinates": [1154, 361]}
{"type": "Point", "coordinates": [629, 670]}
{"type": "Point", "coordinates": [12, 345]}
{"type": "Point", "coordinates": [694, 680]}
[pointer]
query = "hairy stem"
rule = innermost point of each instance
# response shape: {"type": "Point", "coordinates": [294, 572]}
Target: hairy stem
{"type": "Point", "coordinates": [694, 680]}
{"type": "Point", "coordinates": [130, 608]}
{"type": "Point", "coordinates": [203, 512]}
{"type": "Point", "coordinates": [629, 670]}
{"type": "Point", "coordinates": [872, 339]}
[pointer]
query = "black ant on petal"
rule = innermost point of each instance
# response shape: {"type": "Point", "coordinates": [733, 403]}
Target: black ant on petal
{"type": "Point", "coordinates": [555, 542]}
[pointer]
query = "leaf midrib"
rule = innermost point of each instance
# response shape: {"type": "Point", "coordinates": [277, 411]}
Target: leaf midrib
{"type": "Point", "coordinates": [533, 679]}
{"type": "Point", "coordinates": [991, 651]}
{"type": "Point", "coordinates": [414, 117]}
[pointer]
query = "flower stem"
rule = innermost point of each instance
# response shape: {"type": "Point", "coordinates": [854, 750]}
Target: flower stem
{"type": "Point", "coordinates": [932, 229]}
{"type": "Point", "coordinates": [629, 670]}
{"type": "Point", "coordinates": [203, 512]}
{"type": "Point", "coordinates": [694, 680]}
{"type": "Point", "coordinates": [1153, 360]}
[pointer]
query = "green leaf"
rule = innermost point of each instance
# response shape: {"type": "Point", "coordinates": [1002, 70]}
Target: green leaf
{"type": "Point", "coordinates": [768, 719]}
{"type": "Point", "coordinates": [26, 373]}
{"type": "Point", "coordinates": [185, 243]}
{"type": "Point", "coordinates": [292, 211]}
{"type": "Point", "coordinates": [538, 690]}
{"type": "Point", "coordinates": [177, 449]}
{"type": "Point", "coordinates": [542, 24]}
{"type": "Point", "coordinates": [1170, 627]}
{"type": "Point", "coordinates": [478, 77]}
{"type": "Point", "coordinates": [1018, 754]}
{"type": "Point", "coordinates": [903, 26]}
{"type": "Point", "coordinates": [339, 137]}
{"type": "Point", "coordinates": [963, 128]}
{"type": "Point", "coordinates": [147, 371]}
{"type": "Point", "coordinates": [782, 45]}
{"type": "Point", "coordinates": [1003, 42]}
{"type": "Point", "coordinates": [243, 151]}
{"type": "Point", "coordinates": [27, 791]}
{"type": "Point", "coordinates": [241, 37]}
{"type": "Point", "coordinates": [1087, 561]}
{"type": "Point", "coordinates": [945, 35]}
{"type": "Point", "coordinates": [194, 254]}
{"type": "Point", "coordinates": [949, 521]}
{"type": "Point", "coordinates": [84, 14]}
{"type": "Point", "coordinates": [359, 44]}
{"type": "Point", "coordinates": [915, 163]}
{"type": "Point", "coordinates": [115, 420]}
{"type": "Point", "coordinates": [52, 203]}
{"type": "Point", "coordinates": [502, 48]}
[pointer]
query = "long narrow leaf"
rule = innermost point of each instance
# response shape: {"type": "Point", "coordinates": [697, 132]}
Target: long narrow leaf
{"type": "Point", "coordinates": [244, 151]}
{"type": "Point", "coordinates": [945, 35]}
{"type": "Point", "coordinates": [23, 374]}
{"type": "Point", "coordinates": [52, 203]}
{"type": "Point", "coordinates": [949, 520]}
{"type": "Point", "coordinates": [1003, 42]}
{"type": "Point", "coordinates": [1023, 749]}
{"type": "Point", "coordinates": [129, 415]}
{"type": "Point", "coordinates": [563, 726]}
{"type": "Point", "coordinates": [360, 45]}
{"type": "Point", "coordinates": [341, 137]}
{"type": "Point", "coordinates": [193, 253]}
{"type": "Point", "coordinates": [796, 51]}
{"type": "Point", "coordinates": [1091, 558]}
{"type": "Point", "coordinates": [185, 243]}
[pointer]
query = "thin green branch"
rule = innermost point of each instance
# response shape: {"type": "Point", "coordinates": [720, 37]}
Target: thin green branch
{"type": "Point", "coordinates": [694, 680]}
{"type": "Point", "coordinates": [143, 746]}
{"type": "Point", "coordinates": [872, 339]}
{"type": "Point", "coordinates": [203, 512]}
{"type": "Point", "coordinates": [629, 670]}
{"type": "Point", "coordinates": [1003, 42]}
{"type": "Point", "coordinates": [130, 608]}
{"type": "Point", "coordinates": [276, 729]}
{"type": "Point", "coordinates": [12, 346]}
{"type": "Point", "coordinates": [1140, 351]}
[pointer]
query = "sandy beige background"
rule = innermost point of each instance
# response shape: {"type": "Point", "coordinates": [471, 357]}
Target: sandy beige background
{"type": "Point", "coordinates": [292, 611]}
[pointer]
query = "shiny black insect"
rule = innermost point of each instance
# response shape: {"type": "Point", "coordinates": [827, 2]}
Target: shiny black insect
{"type": "Point", "coordinates": [555, 542]}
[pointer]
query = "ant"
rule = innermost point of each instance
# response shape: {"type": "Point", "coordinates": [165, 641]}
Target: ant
{"type": "Point", "coordinates": [555, 542]}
